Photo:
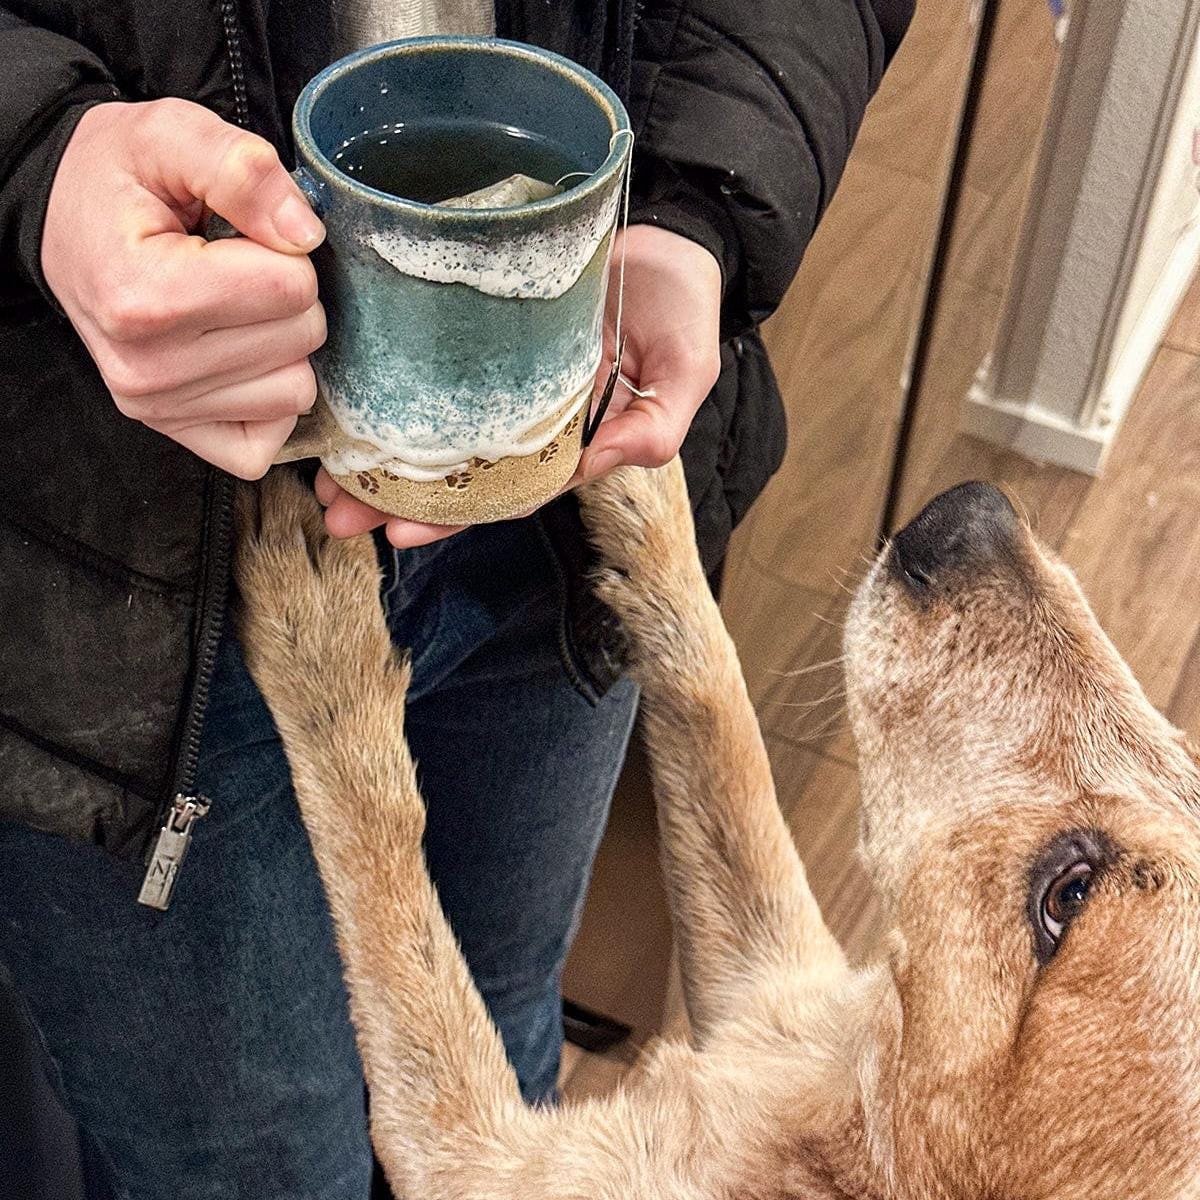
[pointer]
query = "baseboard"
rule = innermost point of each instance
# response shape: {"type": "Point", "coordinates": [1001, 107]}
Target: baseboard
{"type": "Point", "coordinates": [1032, 432]}
{"type": "Point", "coordinates": [1048, 437]}
{"type": "Point", "coordinates": [1126, 373]}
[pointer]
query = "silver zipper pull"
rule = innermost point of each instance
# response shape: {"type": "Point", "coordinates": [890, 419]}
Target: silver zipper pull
{"type": "Point", "coordinates": [169, 850]}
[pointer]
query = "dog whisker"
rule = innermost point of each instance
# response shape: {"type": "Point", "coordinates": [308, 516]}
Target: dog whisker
{"type": "Point", "coordinates": [818, 666]}
{"type": "Point", "coordinates": [837, 693]}
{"type": "Point", "coordinates": [825, 730]}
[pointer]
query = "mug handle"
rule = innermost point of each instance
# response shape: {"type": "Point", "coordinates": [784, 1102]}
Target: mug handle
{"type": "Point", "coordinates": [218, 229]}
{"type": "Point", "coordinates": [310, 438]}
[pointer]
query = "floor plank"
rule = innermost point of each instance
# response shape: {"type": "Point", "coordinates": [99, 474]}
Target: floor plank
{"type": "Point", "coordinates": [1135, 544]}
{"type": "Point", "coordinates": [998, 169]}
{"type": "Point", "coordinates": [824, 822]}
{"type": "Point", "coordinates": [596, 1074]}
{"type": "Point", "coordinates": [921, 91]}
{"type": "Point", "coordinates": [1184, 709]}
{"type": "Point", "coordinates": [1184, 333]}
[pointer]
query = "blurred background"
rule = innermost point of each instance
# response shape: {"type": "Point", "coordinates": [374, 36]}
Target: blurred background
{"type": "Point", "coordinates": [999, 291]}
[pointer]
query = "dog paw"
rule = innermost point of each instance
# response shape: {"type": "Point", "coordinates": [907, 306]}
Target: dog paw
{"type": "Point", "coordinates": [311, 624]}
{"type": "Point", "coordinates": [640, 519]}
{"type": "Point", "coordinates": [650, 574]}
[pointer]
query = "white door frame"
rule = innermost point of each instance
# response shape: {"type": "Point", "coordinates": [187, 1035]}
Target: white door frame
{"type": "Point", "coordinates": [1104, 254]}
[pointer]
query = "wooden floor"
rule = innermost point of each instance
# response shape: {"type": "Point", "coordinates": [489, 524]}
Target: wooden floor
{"type": "Point", "coordinates": [840, 344]}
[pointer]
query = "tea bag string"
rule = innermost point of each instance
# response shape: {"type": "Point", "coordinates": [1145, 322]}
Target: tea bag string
{"type": "Point", "coordinates": [618, 335]}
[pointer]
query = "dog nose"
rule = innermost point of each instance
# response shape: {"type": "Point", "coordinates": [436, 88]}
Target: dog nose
{"type": "Point", "coordinates": [969, 527]}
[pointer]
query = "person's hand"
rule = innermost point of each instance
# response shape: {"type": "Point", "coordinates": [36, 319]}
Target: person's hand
{"type": "Point", "coordinates": [205, 343]}
{"type": "Point", "coordinates": [670, 322]}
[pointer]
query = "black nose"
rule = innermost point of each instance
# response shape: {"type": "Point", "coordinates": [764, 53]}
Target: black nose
{"type": "Point", "coordinates": [970, 527]}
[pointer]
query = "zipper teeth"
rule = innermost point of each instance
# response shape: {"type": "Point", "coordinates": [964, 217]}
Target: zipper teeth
{"type": "Point", "coordinates": [233, 46]}
{"type": "Point", "coordinates": [213, 607]}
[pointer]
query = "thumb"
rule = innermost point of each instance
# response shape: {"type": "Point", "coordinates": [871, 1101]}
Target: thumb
{"type": "Point", "coordinates": [234, 173]}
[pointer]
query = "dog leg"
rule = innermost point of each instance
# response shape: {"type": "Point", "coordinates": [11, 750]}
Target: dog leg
{"type": "Point", "coordinates": [318, 648]}
{"type": "Point", "coordinates": [740, 901]}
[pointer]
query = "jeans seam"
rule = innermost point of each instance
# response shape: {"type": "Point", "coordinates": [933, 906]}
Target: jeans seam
{"type": "Point", "coordinates": [52, 1070]}
{"type": "Point", "coordinates": [574, 673]}
{"type": "Point", "coordinates": [386, 598]}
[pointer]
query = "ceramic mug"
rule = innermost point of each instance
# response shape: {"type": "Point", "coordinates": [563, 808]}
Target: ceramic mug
{"type": "Point", "coordinates": [463, 342]}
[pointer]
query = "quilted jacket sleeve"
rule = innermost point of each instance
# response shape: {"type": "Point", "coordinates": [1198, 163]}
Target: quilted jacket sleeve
{"type": "Point", "coordinates": [47, 82]}
{"type": "Point", "coordinates": [745, 114]}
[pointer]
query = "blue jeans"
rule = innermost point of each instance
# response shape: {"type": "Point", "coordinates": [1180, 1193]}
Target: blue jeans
{"type": "Point", "coordinates": [206, 1051]}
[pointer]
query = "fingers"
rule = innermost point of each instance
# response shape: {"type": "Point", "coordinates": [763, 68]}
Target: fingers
{"type": "Point", "coordinates": [204, 343]}
{"type": "Point", "coordinates": [174, 377]}
{"type": "Point", "coordinates": [219, 285]}
{"type": "Point", "coordinates": [263, 347]}
{"type": "Point", "coordinates": [346, 516]}
{"type": "Point", "coordinates": [243, 449]}
{"type": "Point", "coordinates": [237, 174]}
{"type": "Point", "coordinates": [181, 284]}
{"type": "Point", "coordinates": [285, 392]}
{"type": "Point", "coordinates": [406, 535]}
{"type": "Point", "coordinates": [649, 431]}
{"type": "Point", "coordinates": [671, 334]}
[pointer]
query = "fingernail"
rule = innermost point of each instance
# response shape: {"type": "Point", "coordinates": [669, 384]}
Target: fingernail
{"type": "Point", "coordinates": [296, 222]}
{"type": "Point", "coordinates": [602, 463]}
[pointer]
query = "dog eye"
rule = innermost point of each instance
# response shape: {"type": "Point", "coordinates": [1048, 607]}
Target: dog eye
{"type": "Point", "coordinates": [1064, 899]}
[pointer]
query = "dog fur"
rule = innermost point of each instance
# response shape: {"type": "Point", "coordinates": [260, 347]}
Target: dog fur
{"type": "Point", "coordinates": [992, 717]}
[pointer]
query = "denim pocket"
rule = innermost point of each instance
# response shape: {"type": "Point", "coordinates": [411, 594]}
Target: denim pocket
{"type": "Point", "coordinates": [591, 640]}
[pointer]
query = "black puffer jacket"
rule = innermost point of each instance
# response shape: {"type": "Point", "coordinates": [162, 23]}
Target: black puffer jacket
{"type": "Point", "coordinates": [115, 543]}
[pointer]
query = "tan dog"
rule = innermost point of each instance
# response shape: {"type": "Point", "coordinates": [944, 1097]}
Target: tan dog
{"type": "Point", "coordinates": [1032, 1031]}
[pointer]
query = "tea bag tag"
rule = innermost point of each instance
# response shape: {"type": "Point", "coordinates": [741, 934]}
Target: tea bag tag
{"type": "Point", "coordinates": [614, 374]}
{"type": "Point", "coordinates": [589, 430]}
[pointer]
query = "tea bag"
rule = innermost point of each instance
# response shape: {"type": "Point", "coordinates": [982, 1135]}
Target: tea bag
{"type": "Point", "coordinates": [512, 192]}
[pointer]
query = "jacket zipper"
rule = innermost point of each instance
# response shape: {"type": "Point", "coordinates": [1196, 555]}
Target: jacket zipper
{"type": "Point", "coordinates": [186, 807]}
{"type": "Point", "coordinates": [175, 832]}
{"type": "Point", "coordinates": [233, 49]}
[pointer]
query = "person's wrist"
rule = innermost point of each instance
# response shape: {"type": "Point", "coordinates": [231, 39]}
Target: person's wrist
{"type": "Point", "coordinates": [693, 217]}
{"type": "Point", "coordinates": [33, 179]}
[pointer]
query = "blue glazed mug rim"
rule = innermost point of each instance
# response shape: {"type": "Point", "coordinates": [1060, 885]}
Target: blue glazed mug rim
{"type": "Point", "coordinates": [314, 157]}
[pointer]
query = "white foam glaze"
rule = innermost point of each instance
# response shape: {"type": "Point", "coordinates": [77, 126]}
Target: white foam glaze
{"type": "Point", "coordinates": [366, 448]}
{"type": "Point", "coordinates": [541, 265]}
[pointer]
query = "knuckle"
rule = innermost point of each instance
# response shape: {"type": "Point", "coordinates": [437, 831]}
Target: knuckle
{"type": "Point", "coordinates": [306, 388]}
{"type": "Point", "coordinates": [301, 286]}
{"type": "Point", "coordinates": [129, 313]}
{"type": "Point", "coordinates": [663, 446]}
{"type": "Point", "coordinates": [159, 117]}
{"type": "Point", "coordinates": [129, 381]}
{"type": "Point", "coordinates": [294, 290]}
{"type": "Point", "coordinates": [317, 330]}
{"type": "Point", "coordinates": [248, 161]}
{"type": "Point", "coordinates": [707, 362]}
{"type": "Point", "coordinates": [253, 460]}
{"type": "Point", "coordinates": [127, 406]}
{"type": "Point", "coordinates": [139, 380]}
{"type": "Point", "coordinates": [251, 465]}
